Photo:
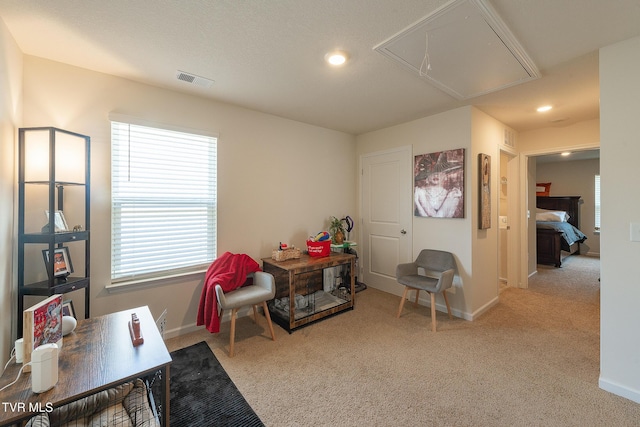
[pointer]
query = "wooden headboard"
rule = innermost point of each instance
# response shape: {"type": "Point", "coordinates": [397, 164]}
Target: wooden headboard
{"type": "Point", "coordinates": [569, 204]}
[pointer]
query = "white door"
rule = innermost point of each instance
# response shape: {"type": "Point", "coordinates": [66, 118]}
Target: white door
{"type": "Point", "coordinates": [387, 214]}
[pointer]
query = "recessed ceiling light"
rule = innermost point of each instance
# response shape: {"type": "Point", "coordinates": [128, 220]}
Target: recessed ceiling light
{"type": "Point", "coordinates": [336, 57]}
{"type": "Point", "coordinates": [544, 108]}
{"type": "Point", "coordinates": [565, 154]}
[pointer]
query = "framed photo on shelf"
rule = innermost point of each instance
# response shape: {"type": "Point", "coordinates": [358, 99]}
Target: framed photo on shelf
{"type": "Point", "coordinates": [60, 223]}
{"type": "Point", "coordinates": [62, 266]}
{"type": "Point", "coordinates": [67, 309]}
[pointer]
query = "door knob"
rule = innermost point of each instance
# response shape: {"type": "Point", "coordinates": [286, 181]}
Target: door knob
{"type": "Point", "coordinates": [403, 231]}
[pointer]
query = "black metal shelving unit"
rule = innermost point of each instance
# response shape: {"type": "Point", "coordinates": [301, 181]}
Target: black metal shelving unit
{"type": "Point", "coordinates": [41, 187]}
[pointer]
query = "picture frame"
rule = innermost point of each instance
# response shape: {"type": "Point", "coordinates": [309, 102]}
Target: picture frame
{"type": "Point", "coordinates": [62, 262]}
{"type": "Point", "coordinates": [67, 309]}
{"type": "Point", "coordinates": [60, 223]}
{"type": "Point", "coordinates": [439, 184]}
{"type": "Point", "coordinates": [484, 178]}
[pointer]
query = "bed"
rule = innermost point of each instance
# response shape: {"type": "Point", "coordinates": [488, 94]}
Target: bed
{"type": "Point", "coordinates": [554, 236]}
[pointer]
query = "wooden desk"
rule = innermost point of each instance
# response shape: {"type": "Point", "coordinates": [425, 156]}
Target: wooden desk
{"type": "Point", "coordinates": [98, 355]}
{"type": "Point", "coordinates": [304, 276]}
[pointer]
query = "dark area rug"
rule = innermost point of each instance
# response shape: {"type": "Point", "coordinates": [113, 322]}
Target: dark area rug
{"type": "Point", "coordinates": [202, 394]}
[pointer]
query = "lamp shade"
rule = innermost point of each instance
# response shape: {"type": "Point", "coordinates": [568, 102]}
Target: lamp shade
{"type": "Point", "coordinates": [68, 152]}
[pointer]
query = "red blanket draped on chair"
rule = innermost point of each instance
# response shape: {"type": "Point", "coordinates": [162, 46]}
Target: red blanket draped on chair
{"type": "Point", "coordinates": [230, 272]}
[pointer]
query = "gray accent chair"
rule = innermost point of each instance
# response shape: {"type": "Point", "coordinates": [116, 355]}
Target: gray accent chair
{"type": "Point", "coordinates": [262, 290]}
{"type": "Point", "coordinates": [433, 272]}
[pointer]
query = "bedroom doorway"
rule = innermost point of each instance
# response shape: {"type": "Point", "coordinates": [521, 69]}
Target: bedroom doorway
{"type": "Point", "coordinates": [569, 180]}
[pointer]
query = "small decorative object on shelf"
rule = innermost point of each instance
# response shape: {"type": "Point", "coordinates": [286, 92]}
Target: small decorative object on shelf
{"type": "Point", "coordinates": [285, 253]}
{"type": "Point", "coordinates": [336, 227]}
{"type": "Point", "coordinates": [134, 330]}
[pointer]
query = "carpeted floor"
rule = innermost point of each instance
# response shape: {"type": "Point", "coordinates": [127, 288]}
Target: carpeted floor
{"type": "Point", "coordinates": [202, 394]}
{"type": "Point", "coordinates": [533, 359]}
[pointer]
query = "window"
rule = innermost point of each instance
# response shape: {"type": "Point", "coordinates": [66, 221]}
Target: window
{"type": "Point", "coordinates": [597, 198]}
{"type": "Point", "coordinates": [163, 196]}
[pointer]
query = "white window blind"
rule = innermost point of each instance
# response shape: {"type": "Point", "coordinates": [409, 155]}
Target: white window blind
{"type": "Point", "coordinates": [597, 197]}
{"type": "Point", "coordinates": [163, 191]}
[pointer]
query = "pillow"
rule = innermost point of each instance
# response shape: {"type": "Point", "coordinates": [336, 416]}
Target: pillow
{"type": "Point", "coordinates": [552, 216]}
{"type": "Point", "coordinates": [543, 189]}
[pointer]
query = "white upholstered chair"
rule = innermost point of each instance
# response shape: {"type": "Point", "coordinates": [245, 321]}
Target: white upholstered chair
{"type": "Point", "coordinates": [262, 290]}
{"type": "Point", "coordinates": [438, 267]}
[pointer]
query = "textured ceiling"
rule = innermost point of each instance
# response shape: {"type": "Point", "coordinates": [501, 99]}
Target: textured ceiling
{"type": "Point", "coordinates": [268, 55]}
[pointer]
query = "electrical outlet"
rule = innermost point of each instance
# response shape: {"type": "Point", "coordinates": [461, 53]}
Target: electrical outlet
{"type": "Point", "coordinates": [161, 323]}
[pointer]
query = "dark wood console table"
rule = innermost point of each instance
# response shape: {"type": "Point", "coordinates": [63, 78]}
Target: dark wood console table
{"type": "Point", "coordinates": [97, 356]}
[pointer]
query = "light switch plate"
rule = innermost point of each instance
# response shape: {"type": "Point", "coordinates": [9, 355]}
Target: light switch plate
{"type": "Point", "coordinates": [634, 232]}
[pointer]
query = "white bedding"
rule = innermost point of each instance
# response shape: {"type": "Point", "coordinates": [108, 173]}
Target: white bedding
{"type": "Point", "coordinates": [551, 216]}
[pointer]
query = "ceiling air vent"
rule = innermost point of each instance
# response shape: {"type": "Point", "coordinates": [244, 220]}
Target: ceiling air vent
{"type": "Point", "coordinates": [193, 79]}
{"type": "Point", "coordinates": [509, 138]}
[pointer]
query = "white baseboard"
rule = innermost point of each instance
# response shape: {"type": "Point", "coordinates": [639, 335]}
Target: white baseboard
{"type": "Point", "coordinates": [617, 389]}
{"type": "Point", "coordinates": [191, 327]}
{"type": "Point", "coordinates": [426, 301]}
{"type": "Point", "coordinates": [182, 330]}
{"type": "Point", "coordinates": [484, 309]}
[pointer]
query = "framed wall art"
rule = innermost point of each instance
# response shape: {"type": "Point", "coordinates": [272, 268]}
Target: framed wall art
{"type": "Point", "coordinates": [484, 170]}
{"type": "Point", "coordinates": [439, 184]}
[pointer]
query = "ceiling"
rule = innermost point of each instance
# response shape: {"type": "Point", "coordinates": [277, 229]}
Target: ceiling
{"type": "Point", "coordinates": [269, 55]}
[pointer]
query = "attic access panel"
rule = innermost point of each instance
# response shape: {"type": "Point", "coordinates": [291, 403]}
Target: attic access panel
{"type": "Point", "coordinates": [463, 48]}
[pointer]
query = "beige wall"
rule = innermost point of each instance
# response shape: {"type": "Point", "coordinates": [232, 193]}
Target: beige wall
{"type": "Point", "coordinates": [475, 250]}
{"type": "Point", "coordinates": [581, 135]}
{"type": "Point", "coordinates": [487, 136]}
{"type": "Point", "coordinates": [10, 115]}
{"type": "Point", "coordinates": [620, 269]}
{"type": "Point", "coordinates": [278, 180]}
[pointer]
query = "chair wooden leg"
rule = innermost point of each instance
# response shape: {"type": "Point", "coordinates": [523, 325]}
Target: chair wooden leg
{"type": "Point", "coordinates": [446, 301]}
{"type": "Point", "coordinates": [433, 312]}
{"type": "Point", "coordinates": [417, 296]}
{"type": "Point", "coordinates": [232, 333]}
{"type": "Point", "coordinates": [268, 316]}
{"type": "Point", "coordinates": [404, 296]}
{"type": "Point", "coordinates": [255, 313]}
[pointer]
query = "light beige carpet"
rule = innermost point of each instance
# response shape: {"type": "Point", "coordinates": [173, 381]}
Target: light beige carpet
{"type": "Point", "coordinates": [532, 360]}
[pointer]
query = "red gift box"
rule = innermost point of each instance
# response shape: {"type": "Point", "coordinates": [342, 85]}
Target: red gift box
{"type": "Point", "coordinates": [319, 249]}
